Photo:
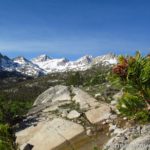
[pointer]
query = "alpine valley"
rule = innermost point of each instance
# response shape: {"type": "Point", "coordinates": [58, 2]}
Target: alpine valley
{"type": "Point", "coordinates": [93, 103]}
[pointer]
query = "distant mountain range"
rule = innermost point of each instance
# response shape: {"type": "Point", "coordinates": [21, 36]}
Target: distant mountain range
{"type": "Point", "coordinates": [44, 64]}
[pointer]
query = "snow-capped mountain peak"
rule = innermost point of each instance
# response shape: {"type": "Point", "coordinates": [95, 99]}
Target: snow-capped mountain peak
{"type": "Point", "coordinates": [86, 59]}
{"type": "Point", "coordinates": [21, 60]}
{"type": "Point", "coordinates": [41, 58]}
{"type": "Point", "coordinates": [109, 58]}
{"type": "Point", "coordinates": [27, 67]}
{"type": "Point", "coordinates": [43, 64]}
{"type": "Point", "coordinates": [6, 63]}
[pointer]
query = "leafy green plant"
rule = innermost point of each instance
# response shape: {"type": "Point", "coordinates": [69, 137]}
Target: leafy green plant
{"type": "Point", "coordinates": [130, 104]}
{"type": "Point", "coordinates": [9, 109]}
{"type": "Point", "coordinates": [142, 116]}
{"type": "Point", "coordinates": [133, 74]}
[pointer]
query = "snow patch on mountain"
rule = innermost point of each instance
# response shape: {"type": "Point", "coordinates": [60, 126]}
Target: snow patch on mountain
{"type": "Point", "coordinates": [43, 64]}
{"type": "Point", "coordinates": [63, 64]}
{"type": "Point", "coordinates": [7, 64]}
{"type": "Point", "coordinates": [27, 67]}
{"type": "Point", "coordinates": [106, 59]}
{"type": "Point", "coordinates": [51, 65]}
{"type": "Point", "coordinates": [41, 58]}
{"type": "Point", "coordinates": [84, 63]}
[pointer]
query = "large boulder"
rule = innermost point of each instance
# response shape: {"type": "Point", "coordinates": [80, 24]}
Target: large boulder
{"type": "Point", "coordinates": [60, 95]}
{"type": "Point", "coordinates": [50, 135]}
{"type": "Point", "coordinates": [141, 143]}
{"type": "Point", "coordinates": [54, 94]}
{"type": "Point", "coordinates": [84, 99]}
{"type": "Point", "coordinates": [133, 138]}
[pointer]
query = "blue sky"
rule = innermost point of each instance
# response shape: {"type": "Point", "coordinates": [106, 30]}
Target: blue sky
{"type": "Point", "coordinates": [73, 28]}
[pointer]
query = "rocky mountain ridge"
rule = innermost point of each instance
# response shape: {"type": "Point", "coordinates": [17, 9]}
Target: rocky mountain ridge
{"type": "Point", "coordinates": [44, 64]}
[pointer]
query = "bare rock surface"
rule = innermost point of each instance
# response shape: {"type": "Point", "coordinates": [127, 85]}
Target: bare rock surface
{"type": "Point", "coordinates": [84, 99]}
{"type": "Point", "coordinates": [134, 138]}
{"type": "Point", "coordinates": [59, 119]}
{"type": "Point", "coordinates": [98, 114]}
{"type": "Point", "coordinates": [63, 118]}
{"type": "Point", "coordinates": [49, 135]}
{"type": "Point", "coordinates": [60, 95]}
{"type": "Point", "coordinates": [53, 94]}
{"type": "Point", "coordinates": [141, 143]}
{"type": "Point", "coordinates": [73, 114]}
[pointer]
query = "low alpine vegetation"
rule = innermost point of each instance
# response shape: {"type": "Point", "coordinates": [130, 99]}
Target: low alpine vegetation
{"type": "Point", "coordinates": [6, 138]}
{"type": "Point", "coordinates": [133, 74]}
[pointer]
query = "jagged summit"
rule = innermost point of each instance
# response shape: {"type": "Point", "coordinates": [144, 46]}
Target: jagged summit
{"type": "Point", "coordinates": [86, 59]}
{"type": "Point", "coordinates": [6, 63]}
{"type": "Point", "coordinates": [109, 58]}
{"type": "Point", "coordinates": [21, 60]}
{"type": "Point", "coordinates": [44, 64]}
{"type": "Point", "coordinates": [4, 57]}
{"type": "Point", "coordinates": [41, 58]}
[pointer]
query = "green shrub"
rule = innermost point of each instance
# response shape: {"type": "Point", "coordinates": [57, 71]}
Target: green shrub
{"type": "Point", "coordinates": [133, 75]}
{"type": "Point", "coordinates": [96, 148]}
{"type": "Point", "coordinates": [130, 104]}
{"type": "Point", "coordinates": [142, 116]}
{"type": "Point", "coordinates": [98, 79]}
{"type": "Point", "coordinates": [6, 138]}
{"type": "Point", "coordinates": [74, 79]}
{"type": "Point", "coordinates": [9, 109]}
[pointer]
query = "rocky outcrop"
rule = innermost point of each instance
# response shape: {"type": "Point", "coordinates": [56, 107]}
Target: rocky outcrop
{"type": "Point", "coordinates": [49, 135]}
{"type": "Point", "coordinates": [134, 138]}
{"type": "Point", "coordinates": [98, 114]}
{"type": "Point", "coordinates": [84, 99]}
{"type": "Point", "coordinates": [57, 93]}
{"type": "Point", "coordinates": [129, 136]}
{"type": "Point", "coordinates": [141, 143]}
{"type": "Point", "coordinates": [66, 118]}
{"type": "Point", "coordinates": [60, 119]}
